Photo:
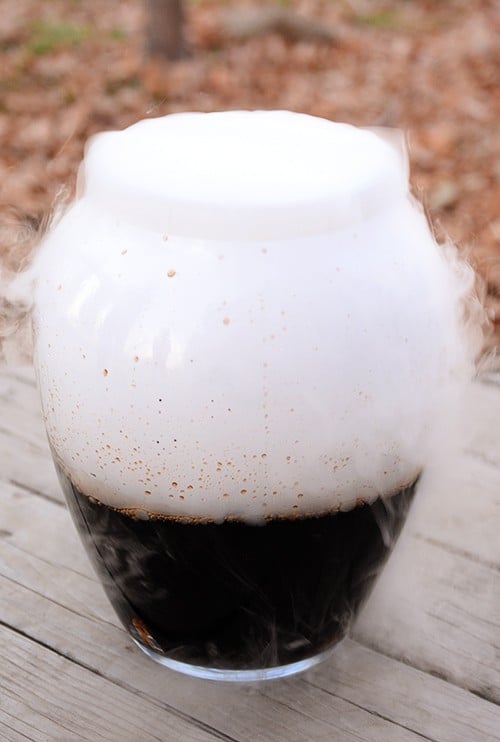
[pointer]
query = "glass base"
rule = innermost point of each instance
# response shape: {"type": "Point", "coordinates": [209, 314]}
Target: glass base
{"type": "Point", "coordinates": [237, 676]}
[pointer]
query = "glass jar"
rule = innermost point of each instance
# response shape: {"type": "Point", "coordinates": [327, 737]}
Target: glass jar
{"type": "Point", "coordinates": [246, 339]}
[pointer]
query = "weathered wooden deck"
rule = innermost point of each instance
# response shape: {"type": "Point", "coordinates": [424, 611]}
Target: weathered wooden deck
{"type": "Point", "coordinates": [423, 663]}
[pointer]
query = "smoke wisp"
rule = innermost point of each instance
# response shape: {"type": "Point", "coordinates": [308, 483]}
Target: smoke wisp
{"type": "Point", "coordinates": [21, 235]}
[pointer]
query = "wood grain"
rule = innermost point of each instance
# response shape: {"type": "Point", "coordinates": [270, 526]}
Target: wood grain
{"type": "Point", "coordinates": [61, 699]}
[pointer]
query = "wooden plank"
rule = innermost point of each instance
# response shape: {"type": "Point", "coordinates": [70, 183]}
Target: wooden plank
{"type": "Point", "coordinates": [22, 408]}
{"type": "Point", "coordinates": [25, 464]}
{"type": "Point", "coordinates": [437, 605]}
{"type": "Point", "coordinates": [69, 613]}
{"type": "Point", "coordinates": [108, 650]}
{"type": "Point", "coordinates": [24, 372]}
{"type": "Point", "coordinates": [459, 509]}
{"type": "Point", "coordinates": [440, 612]}
{"type": "Point", "coordinates": [23, 514]}
{"type": "Point", "coordinates": [483, 422]}
{"type": "Point", "coordinates": [354, 679]}
{"type": "Point", "coordinates": [435, 709]}
{"type": "Point", "coordinates": [22, 434]}
{"type": "Point", "coordinates": [57, 699]}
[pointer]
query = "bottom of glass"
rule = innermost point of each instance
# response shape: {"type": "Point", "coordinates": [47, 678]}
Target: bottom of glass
{"type": "Point", "coordinates": [237, 676]}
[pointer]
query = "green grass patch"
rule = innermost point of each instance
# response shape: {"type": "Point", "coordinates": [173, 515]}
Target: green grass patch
{"type": "Point", "coordinates": [381, 19]}
{"type": "Point", "coordinates": [47, 37]}
{"type": "Point", "coordinates": [117, 34]}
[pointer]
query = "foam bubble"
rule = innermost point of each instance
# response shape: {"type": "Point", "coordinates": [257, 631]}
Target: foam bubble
{"type": "Point", "coordinates": [246, 315]}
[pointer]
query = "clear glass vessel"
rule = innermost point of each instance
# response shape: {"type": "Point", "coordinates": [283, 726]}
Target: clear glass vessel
{"type": "Point", "coordinates": [245, 339]}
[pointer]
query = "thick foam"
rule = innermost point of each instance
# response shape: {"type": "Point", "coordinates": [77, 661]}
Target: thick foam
{"type": "Point", "coordinates": [312, 362]}
{"type": "Point", "coordinates": [244, 175]}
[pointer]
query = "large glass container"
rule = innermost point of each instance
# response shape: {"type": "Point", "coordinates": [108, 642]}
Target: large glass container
{"type": "Point", "coordinates": [246, 342]}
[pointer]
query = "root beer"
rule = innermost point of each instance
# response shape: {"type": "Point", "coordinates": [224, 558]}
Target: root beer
{"type": "Point", "coordinates": [236, 596]}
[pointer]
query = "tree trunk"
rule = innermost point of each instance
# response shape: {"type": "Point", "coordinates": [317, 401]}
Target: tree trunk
{"type": "Point", "coordinates": [165, 31]}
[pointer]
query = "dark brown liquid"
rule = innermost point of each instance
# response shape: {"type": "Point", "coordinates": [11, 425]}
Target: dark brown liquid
{"type": "Point", "coordinates": [233, 595]}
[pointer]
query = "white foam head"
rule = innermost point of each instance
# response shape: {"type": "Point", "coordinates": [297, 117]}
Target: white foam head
{"type": "Point", "coordinates": [246, 315]}
{"type": "Point", "coordinates": [242, 175]}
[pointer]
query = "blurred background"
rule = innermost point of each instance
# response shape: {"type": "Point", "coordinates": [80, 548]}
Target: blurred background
{"type": "Point", "coordinates": [70, 68]}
